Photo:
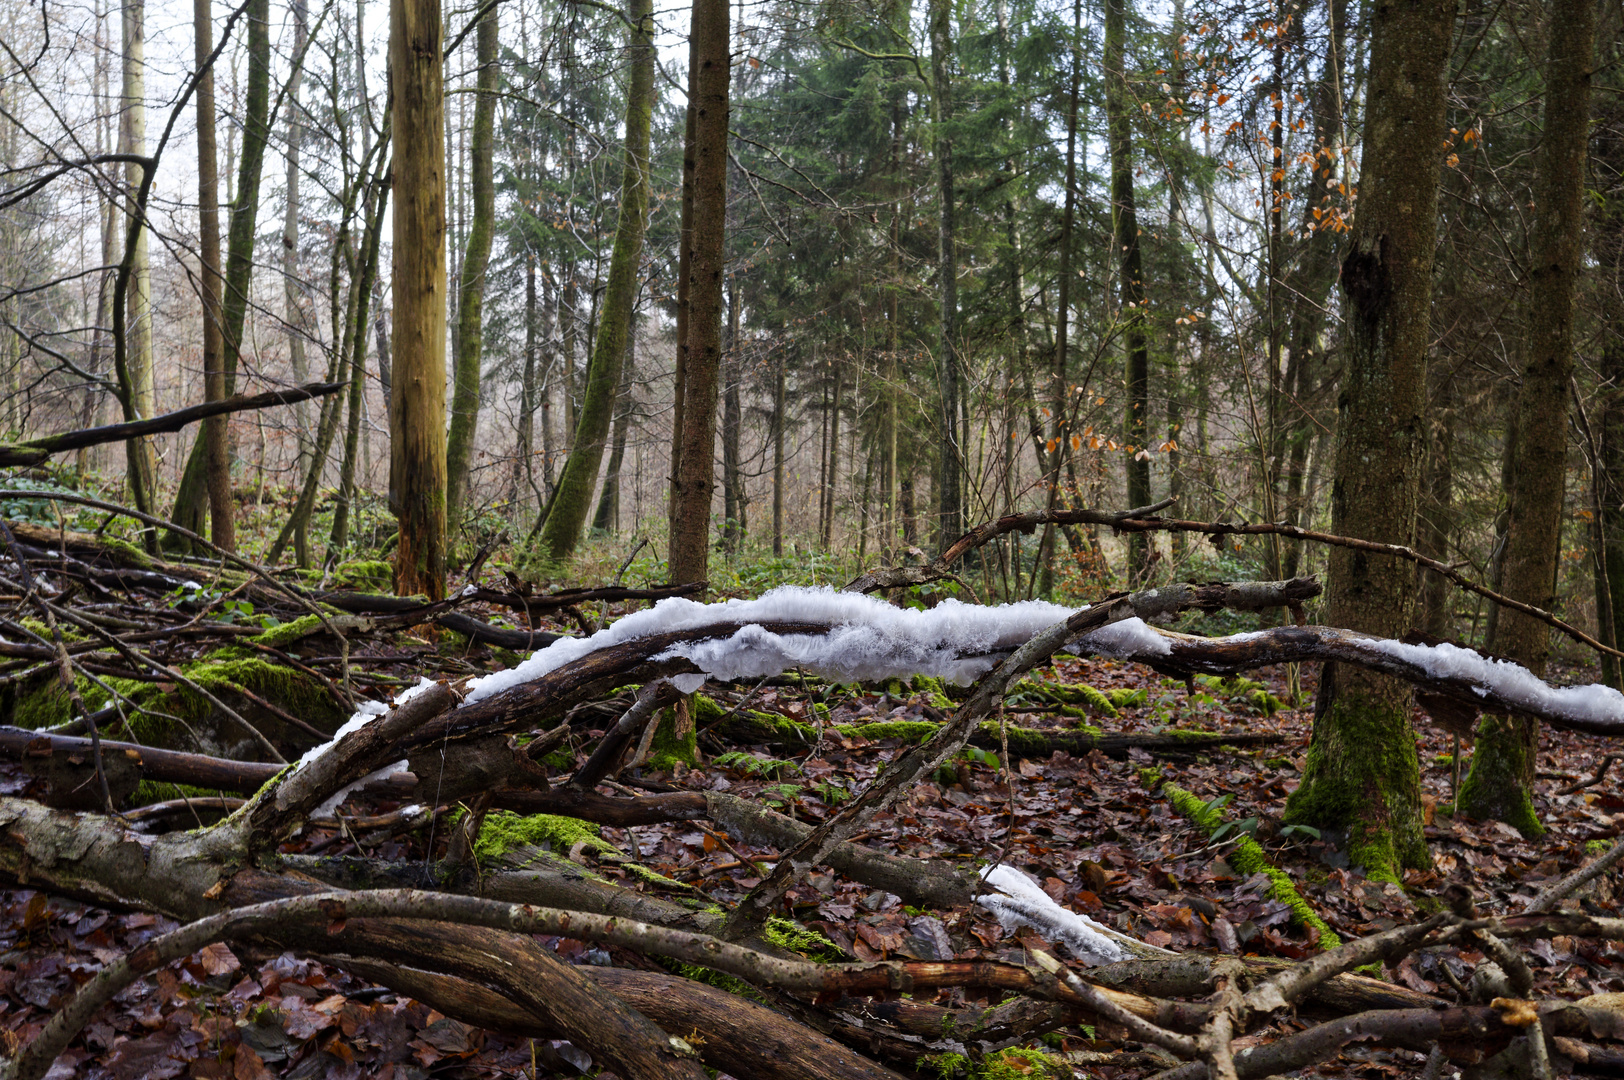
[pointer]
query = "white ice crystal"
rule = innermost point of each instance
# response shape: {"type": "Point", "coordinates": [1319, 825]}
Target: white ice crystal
{"type": "Point", "coordinates": [1129, 639]}
{"type": "Point", "coordinates": [1513, 683]}
{"type": "Point", "coordinates": [1020, 901]}
{"type": "Point", "coordinates": [365, 713]}
{"type": "Point", "coordinates": [871, 639]}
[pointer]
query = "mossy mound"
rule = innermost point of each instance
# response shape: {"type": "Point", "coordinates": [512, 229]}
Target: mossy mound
{"type": "Point", "coordinates": [174, 715]}
{"type": "Point", "coordinates": [365, 575]}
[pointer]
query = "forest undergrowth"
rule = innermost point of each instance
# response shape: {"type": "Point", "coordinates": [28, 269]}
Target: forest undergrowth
{"type": "Point", "coordinates": [1099, 834]}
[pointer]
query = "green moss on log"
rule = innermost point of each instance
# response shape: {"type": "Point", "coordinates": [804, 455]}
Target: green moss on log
{"type": "Point", "coordinates": [1247, 857]}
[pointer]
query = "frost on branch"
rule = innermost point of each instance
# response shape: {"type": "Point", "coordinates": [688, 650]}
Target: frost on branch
{"type": "Point", "coordinates": [1020, 901]}
{"type": "Point", "coordinates": [869, 639]}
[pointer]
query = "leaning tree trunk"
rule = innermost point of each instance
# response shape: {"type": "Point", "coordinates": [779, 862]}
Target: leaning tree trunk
{"type": "Point", "coordinates": [567, 512]}
{"type": "Point", "coordinates": [136, 302]}
{"type": "Point", "coordinates": [1130, 271]}
{"type": "Point", "coordinates": [1501, 780]}
{"type": "Point", "coordinates": [1361, 773]}
{"type": "Point", "coordinates": [191, 499]}
{"type": "Point", "coordinates": [417, 404]}
{"type": "Point", "coordinates": [471, 300]}
{"type": "Point", "coordinates": [695, 474]}
{"type": "Point", "coordinates": [216, 431]}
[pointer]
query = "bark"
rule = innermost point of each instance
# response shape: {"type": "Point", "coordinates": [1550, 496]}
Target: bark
{"type": "Point", "coordinates": [1130, 273]}
{"type": "Point", "coordinates": [776, 1049]}
{"type": "Point", "coordinates": [471, 275]}
{"type": "Point", "coordinates": [222, 507]}
{"type": "Point", "coordinates": [1361, 773]}
{"type": "Point", "coordinates": [1500, 783]}
{"type": "Point", "coordinates": [417, 405]}
{"type": "Point", "coordinates": [949, 479]}
{"type": "Point", "coordinates": [684, 262]}
{"type": "Point", "coordinates": [695, 472]}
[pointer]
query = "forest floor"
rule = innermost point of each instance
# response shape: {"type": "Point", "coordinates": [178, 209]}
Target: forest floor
{"type": "Point", "coordinates": [1089, 829]}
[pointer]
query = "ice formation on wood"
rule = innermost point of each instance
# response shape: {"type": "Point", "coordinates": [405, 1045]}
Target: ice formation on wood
{"type": "Point", "coordinates": [1020, 901]}
{"type": "Point", "coordinates": [870, 639]}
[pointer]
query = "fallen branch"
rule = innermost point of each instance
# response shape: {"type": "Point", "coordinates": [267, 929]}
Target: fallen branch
{"type": "Point", "coordinates": [35, 451]}
{"type": "Point", "coordinates": [1134, 523]}
{"type": "Point", "coordinates": [1461, 675]}
{"type": "Point", "coordinates": [942, 566]}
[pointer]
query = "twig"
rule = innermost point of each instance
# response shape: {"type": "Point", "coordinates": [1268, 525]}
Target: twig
{"type": "Point", "coordinates": [1570, 883]}
{"type": "Point", "coordinates": [1601, 771]}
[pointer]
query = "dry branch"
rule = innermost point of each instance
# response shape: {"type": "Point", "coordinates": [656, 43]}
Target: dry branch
{"type": "Point", "coordinates": [35, 451]}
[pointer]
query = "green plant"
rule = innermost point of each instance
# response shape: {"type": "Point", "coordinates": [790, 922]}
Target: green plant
{"type": "Point", "coordinates": [747, 764]}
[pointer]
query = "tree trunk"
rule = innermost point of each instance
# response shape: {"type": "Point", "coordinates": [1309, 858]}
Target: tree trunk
{"type": "Point", "coordinates": [1436, 524]}
{"type": "Point", "coordinates": [566, 514]}
{"type": "Point", "coordinates": [525, 451]}
{"type": "Point", "coordinates": [1609, 481]}
{"type": "Point", "coordinates": [949, 482]}
{"type": "Point", "coordinates": [417, 407]}
{"type": "Point", "coordinates": [1130, 274]}
{"type": "Point", "coordinates": [778, 455]}
{"type": "Point", "coordinates": [696, 472]}
{"type": "Point", "coordinates": [732, 420]}
{"type": "Point", "coordinates": [216, 433]}
{"type": "Point", "coordinates": [1361, 773]}
{"type": "Point", "coordinates": [140, 403]}
{"type": "Point", "coordinates": [1500, 783]}
{"type": "Point", "coordinates": [471, 279]}
{"type": "Point", "coordinates": [833, 471]}
{"type": "Point", "coordinates": [684, 256]}
{"type": "Point", "coordinates": [607, 518]}
{"type": "Point", "coordinates": [190, 498]}
{"type": "Point", "coordinates": [292, 309]}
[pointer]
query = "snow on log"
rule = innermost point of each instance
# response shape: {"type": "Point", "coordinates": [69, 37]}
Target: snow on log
{"type": "Point", "coordinates": [1448, 670]}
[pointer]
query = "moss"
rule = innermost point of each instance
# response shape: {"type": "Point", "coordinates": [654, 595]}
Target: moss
{"type": "Point", "coordinates": [503, 832]}
{"type": "Point", "coordinates": [126, 554]}
{"type": "Point", "coordinates": [1497, 785]}
{"type": "Point", "coordinates": [945, 1066]}
{"type": "Point", "coordinates": [152, 791]}
{"type": "Point", "coordinates": [791, 935]}
{"type": "Point", "coordinates": [371, 575]}
{"type": "Point", "coordinates": [1023, 1064]}
{"type": "Point", "coordinates": [1598, 847]}
{"type": "Point", "coordinates": [1121, 697]}
{"type": "Point", "coordinates": [1248, 858]}
{"type": "Point", "coordinates": [667, 749]}
{"type": "Point", "coordinates": [279, 637]}
{"type": "Point", "coordinates": [1075, 694]}
{"type": "Point", "coordinates": [705, 710]}
{"type": "Point", "coordinates": [1362, 774]}
{"type": "Point", "coordinates": [935, 691]}
{"type": "Point", "coordinates": [916, 731]}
